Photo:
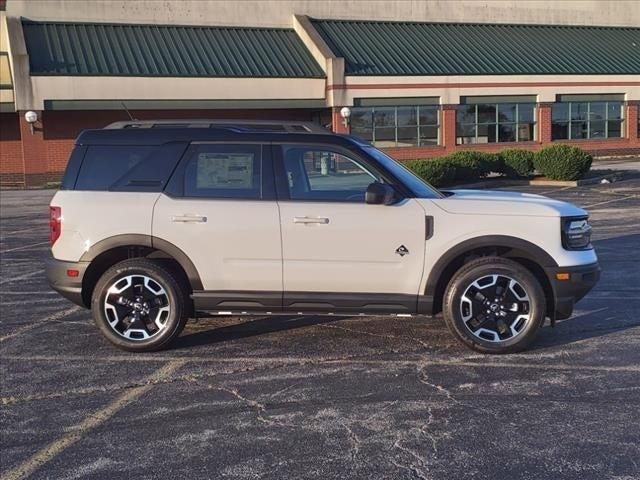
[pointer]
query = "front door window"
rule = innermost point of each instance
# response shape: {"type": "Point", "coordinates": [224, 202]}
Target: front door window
{"type": "Point", "coordinates": [323, 175]}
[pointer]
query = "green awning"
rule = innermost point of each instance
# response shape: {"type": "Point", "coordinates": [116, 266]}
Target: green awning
{"type": "Point", "coordinates": [97, 49]}
{"type": "Point", "coordinates": [409, 48]}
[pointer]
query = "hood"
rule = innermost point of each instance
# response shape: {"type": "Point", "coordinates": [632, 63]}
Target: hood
{"type": "Point", "coordinates": [489, 202]}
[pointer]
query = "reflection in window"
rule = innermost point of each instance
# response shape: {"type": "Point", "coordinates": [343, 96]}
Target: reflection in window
{"type": "Point", "coordinates": [401, 126]}
{"type": "Point", "coordinates": [316, 174]}
{"type": "Point", "coordinates": [577, 120]}
{"type": "Point", "coordinates": [495, 122]}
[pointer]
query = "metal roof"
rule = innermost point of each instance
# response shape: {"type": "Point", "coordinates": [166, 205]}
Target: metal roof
{"type": "Point", "coordinates": [101, 49]}
{"type": "Point", "coordinates": [408, 48]}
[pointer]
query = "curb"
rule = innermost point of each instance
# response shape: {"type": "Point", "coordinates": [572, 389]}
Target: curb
{"type": "Point", "coordinates": [505, 182]}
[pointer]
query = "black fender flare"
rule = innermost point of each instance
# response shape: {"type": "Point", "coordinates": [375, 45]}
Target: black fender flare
{"type": "Point", "coordinates": [524, 248]}
{"type": "Point", "coordinates": [148, 241]}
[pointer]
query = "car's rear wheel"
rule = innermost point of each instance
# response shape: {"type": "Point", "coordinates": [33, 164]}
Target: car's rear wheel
{"type": "Point", "coordinates": [494, 305]}
{"type": "Point", "coordinates": [139, 305]}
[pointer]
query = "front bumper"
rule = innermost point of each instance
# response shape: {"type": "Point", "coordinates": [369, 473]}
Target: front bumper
{"type": "Point", "coordinates": [61, 282]}
{"type": "Point", "coordinates": [567, 293]}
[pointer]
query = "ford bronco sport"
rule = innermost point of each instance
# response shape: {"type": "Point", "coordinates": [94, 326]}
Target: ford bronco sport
{"type": "Point", "coordinates": [160, 221]}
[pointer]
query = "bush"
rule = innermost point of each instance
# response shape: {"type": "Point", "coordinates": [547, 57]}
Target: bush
{"type": "Point", "coordinates": [562, 162]}
{"type": "Point", "coordinates": [470, 165]}
{"type": "Point", "coordinates": [517, 162]}
{"type": "Point", "coordinates": [437, 172]}
{"type": "Point", "coordinates": [494, 162]}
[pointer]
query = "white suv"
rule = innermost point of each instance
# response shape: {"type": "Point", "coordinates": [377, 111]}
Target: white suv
{"type": "Point", "coordinates": [160, 221]}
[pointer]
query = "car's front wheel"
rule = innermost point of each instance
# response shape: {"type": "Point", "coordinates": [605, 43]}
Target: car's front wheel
{"type": "Point", "coordinates": [494, 305]}
{"type": "Point", "coordinates": [139, 305]}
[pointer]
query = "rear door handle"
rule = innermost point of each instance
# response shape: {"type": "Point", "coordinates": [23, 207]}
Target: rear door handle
{"type": "Point", "coordinates": [188, 219]}
{"type": "Point", "coordinates": [308, 220]}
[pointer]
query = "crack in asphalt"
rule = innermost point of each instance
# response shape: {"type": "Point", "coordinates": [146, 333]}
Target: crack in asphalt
{"type": "Point", "coordinates": [355, 359]}
{"type": "Point", "coordinates": [424, 379]}
{"type": "Point", "coordinates": [13, 400]}
{"type": "Point", "coordinates": [414, 469]}
{"type": "Point", "coordinates": [354, 440]}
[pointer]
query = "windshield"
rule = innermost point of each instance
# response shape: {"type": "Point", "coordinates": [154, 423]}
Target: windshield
{"type": "Point", "coordinates": [418, 187]}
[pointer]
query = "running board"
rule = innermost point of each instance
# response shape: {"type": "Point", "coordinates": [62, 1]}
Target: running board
{"type": "Point", "coordinates": [309, 303]}
{"type": "Point", "coordinates": [289, 313]}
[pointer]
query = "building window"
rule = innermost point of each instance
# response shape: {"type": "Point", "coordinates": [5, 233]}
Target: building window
{"type": "Point", "coordinates": [495, 122]}
{"type": "Point", "coordinates": [578, 120]}
{"type": "Point", "coordinates": [397, 126]}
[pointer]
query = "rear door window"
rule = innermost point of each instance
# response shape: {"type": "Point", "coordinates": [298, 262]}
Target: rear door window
{"type": "Point", "coordinates": [224, 171]}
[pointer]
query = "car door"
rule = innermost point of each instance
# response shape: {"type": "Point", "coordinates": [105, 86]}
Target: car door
{"type": "Point", "coordinates": [340, 253]}
{"type": "Point", "coordinates": [220, 210]}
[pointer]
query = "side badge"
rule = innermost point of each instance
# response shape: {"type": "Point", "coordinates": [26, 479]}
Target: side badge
{"type": "Point", "coordinates": [402, 250]}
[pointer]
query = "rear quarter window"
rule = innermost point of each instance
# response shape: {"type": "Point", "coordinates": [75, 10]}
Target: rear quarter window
{"type": "Point", "coordinates": [128, 168]}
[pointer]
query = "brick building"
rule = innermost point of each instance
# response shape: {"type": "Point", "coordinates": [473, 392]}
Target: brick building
{"type": "Point", "coordinates": [421, 79]}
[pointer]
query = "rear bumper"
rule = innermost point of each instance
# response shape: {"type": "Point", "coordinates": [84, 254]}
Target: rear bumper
{"type": "Point", "coordinates": [567, 293]}
{"type": "Point", "coordinates": [61, 282]}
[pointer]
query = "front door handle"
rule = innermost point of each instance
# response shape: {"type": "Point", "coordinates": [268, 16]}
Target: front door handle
{"type": "Point", "coordinates": [310, 220]}
{"type": "Point", "coordinates": [189, 219]}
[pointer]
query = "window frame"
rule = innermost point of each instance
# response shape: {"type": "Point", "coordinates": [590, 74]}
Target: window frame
{"type": "Point", "coordinates": [175, 185]}
{"type": "Point", "coordinates": [568, 120]}
{"type": "Point", "coordinates": [418, 126]}
{"type": "Point", "coordinates": [496, 123]}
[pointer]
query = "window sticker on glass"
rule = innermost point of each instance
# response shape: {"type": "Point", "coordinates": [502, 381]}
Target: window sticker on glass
{"type": "Point", "coordinates": [225, 170]}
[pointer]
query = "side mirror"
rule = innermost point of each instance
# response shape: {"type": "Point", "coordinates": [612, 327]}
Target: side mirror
{"type": "Point", "coordinates": [380, 194]}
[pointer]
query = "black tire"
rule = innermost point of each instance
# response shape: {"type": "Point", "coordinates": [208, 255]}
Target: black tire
{"type": "Point", "coordinates": [453, 305]}
{"type": "Point", "coordinates": [174, 295]}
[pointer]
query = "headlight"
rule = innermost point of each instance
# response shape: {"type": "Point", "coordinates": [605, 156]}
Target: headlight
{"type": "Point", "coordinates": [576, 233]}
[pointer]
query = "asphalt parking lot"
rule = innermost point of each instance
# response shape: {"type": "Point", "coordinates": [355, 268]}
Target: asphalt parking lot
{"type": "Point", "coordinates": [321, 397]}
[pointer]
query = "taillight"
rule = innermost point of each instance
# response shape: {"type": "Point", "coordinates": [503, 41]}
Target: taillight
{"type": "Point", "coordinates": [55, 224]}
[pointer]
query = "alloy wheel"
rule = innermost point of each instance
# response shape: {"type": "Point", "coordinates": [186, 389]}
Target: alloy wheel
{"type": "Point", "coordinates": [495, 308]}
{"type": "Point", "coordinates": [137, 307]}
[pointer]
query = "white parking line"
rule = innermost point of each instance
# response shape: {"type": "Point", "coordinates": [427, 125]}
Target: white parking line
{"type": "Point", "coordinates": [92, 421]}
{"type": "Point", "coordinates": [32, 301]}
{"type": "Point", "coordinates": [4, 234]}
{"type": "Point", "coordinates": [40, 292]}
{"type": "Point", "coordinates": [284, 361]}
{"type": "Point", "coordinates": [610, 201]}
{"type": "Point", "coordinates": [32, 325]}
{"type": "Point", "coordinates": [21, 277]}
{"type": "Point", "coordinates": [24, 247]}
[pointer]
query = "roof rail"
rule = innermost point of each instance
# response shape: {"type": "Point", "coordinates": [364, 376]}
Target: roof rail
{"type": "Point", "coordinates": [236, 125]}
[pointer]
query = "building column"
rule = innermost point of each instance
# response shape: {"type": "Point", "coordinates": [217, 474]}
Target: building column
{"type": "Point", "coordinates": [337, 122]}
{"type": "Point", "coordinates": [544, 122]}
{"type": "Point", "coordinates": [631, 120]}
{"type": "Point", "coordinates": [448, 127]}
{"type": "Point", "coordinates": [34, 152]}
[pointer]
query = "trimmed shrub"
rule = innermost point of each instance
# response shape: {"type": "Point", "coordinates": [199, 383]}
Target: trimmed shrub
{"type": "Point", "coordinates": [562, 162]}
{"type": "Point", "coordinates": [517, 162]}
{"type": "Point", "coordinates": [469, 165]}
{"type": "Point", "coordinates": [494, 162]}
{"type": "Point", "coordinates": [438, 172]}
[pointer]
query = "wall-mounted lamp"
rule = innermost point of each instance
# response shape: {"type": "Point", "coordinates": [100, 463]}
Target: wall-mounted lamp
{"type": "Point", "coordinates": [31, 117]}
{"type": "Point", "coordinates": [345, 113]}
